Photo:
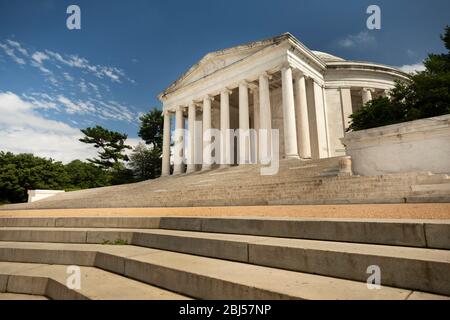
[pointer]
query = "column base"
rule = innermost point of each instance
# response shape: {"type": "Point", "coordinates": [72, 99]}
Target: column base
{"type": "Point", "coordinates": [291, 156]}
{"type": "Point", "coordinates": [178, 170]}
{"type": "Point", "coordinates": [191, 168]}
{"type": "Point", "coordinates": [206, 167]}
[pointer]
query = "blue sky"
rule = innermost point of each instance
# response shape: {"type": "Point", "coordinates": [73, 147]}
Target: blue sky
{"type": "Point", "coordinates": [54, 81]}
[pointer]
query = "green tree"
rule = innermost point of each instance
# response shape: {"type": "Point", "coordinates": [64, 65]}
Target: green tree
{"type": "Point", "coordinates": [120, 174]}
{"type": "Point", "coordinates": [22, 172]}
{"type": "Point", "coordinates": [425, 95]}
{"type": "Point", "coordinates": [111, 145]}
{"type": "Point", "coordinates": [151, 128]}
{"type": "Point", "coordinates": [145, 162]}
{"type": "Point", "coordinates": [83, 175]}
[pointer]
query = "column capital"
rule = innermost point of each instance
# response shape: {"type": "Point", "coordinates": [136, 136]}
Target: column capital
{"type": "Point", "coordinates": [253, 86]}
{"type": "Point", "coordinates": [371, 90]}
{"type": "Point", "coordinates": [180, 108]}
{"type": "Point", "coordinates": [285, 66]}
{"type": "Point", "coordinates": [226, 90]}
{"type": "Point", "coordinates": [266, 74]}
{"type": "Point", "coordinates": [243, 82]}
{"type": "Point", "coordinates": [297, 74]}
{"type": "Point", "coordinates": [208, 97]}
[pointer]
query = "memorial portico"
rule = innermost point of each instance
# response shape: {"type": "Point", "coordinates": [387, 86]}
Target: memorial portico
{"type": "Point", "coordinates": [276, 83]}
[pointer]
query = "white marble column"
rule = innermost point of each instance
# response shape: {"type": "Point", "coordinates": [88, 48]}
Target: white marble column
{"type": "Point", "coordinates": [366, 95]}
{"type": "Point", "coordinates": [255, 137]}
{"type": "Point", "coordinates": [265, 118]}
{"type": "Point", "coordinates": [179, 141]}
{"type": "Point", "coordinates": [165, 170]}
{"type": "Point", "coordinates": [319, 144]}
{"type": "Point", "coordinates": [265, 114]}
{"type": "Point", "coordinates": [244, 137]}
{"type": "Point", "coordinates": [225, 143]}
{"type": "Point", "coordinates": [347, 110]}
{"type": "Point", "coordinates": [290, 131]}
{"type": "Point", "coordinates": [301, 112]}
{"type": "Point", "coordinates": [191, 146]}
{"type": "Point", "coordinates": [206, 134]}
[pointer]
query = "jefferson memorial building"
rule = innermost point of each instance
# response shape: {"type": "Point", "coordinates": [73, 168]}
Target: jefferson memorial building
{"type": "Point", "coordinates": [277, 83]}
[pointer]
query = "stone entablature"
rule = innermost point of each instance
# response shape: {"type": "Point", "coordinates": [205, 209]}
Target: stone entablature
{"type": "Point", "coordinates": [276, 83]}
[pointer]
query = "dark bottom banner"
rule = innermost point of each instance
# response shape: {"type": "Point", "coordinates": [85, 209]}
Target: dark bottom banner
{"type": "Point", "coordinates": [223, 309]}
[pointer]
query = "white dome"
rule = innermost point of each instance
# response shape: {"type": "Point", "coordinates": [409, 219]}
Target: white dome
{"type": "Point", "coordinates": [326, 57]}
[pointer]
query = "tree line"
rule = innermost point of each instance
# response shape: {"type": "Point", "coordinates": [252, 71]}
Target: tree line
{"type": "Point", "coordinates": [112, 166]}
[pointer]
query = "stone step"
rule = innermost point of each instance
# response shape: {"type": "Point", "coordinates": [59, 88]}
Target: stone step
{"type": "Point", "coordinates": [50, 281]}
{"type": "Point", "coordinates": [411, 233]}
{"type": "Point", "coordinates": [423, 269]}
{"type": "Point", "coordinates": [19, 296]}
{"type": "Point", "coordinates": [200, 277]}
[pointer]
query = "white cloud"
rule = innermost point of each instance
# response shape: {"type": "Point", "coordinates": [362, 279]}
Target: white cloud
{"type": "Point", "coordinates": [11, 47]}
{"type": "Point", "coordinates": [41, 101]}
{"type": "Point", "coordinates": [412, 68]}
{"type": "Point", "coordinates": [83, 86]}
{"type": "Point", "coordinates": [363, 38]}
{"type": "Point", "coordinates": [22, 130]}
{"type": "Point", "coordinates": [39, 57]}
{"type": "Point", "coordinates": [100, 71]}
{"type": "Point", "coordinates": [110, 110]}
{"type": "Point", "coordinates": [67, 73]}
{"type": "Point", "coordinates": [76, 107]}
{"type": "Point", "coordinates": [18, 46]}
{"type": "Point", "coordinates": [67, 76]}
{"type": "Point", "coordinates": [10, 52]}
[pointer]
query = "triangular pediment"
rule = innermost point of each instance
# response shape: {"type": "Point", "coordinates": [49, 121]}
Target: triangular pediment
{"type": "Point", "coordinates": [214, 61]}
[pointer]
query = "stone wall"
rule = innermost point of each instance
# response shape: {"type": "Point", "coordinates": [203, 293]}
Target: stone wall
{"type": "Point", "coordinates": [35, 195]}
{"type": "Point", "coordinates": [421, 145]}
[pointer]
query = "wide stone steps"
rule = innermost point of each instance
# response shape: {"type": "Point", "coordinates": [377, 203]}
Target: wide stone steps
{"type": "Point", "coordinates": [199, 277]}
{"type": "Point", "coordinates": [229, 258]}
{"type": "Point", "coordinates": [424, 269]}
{"type": "Point", "coordinates": [49, 280]}
{"type": "Point", "coordinates": [395, 232]}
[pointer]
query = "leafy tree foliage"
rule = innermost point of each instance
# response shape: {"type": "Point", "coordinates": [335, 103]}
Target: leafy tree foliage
{"type": "Point", "coordinates": [84, 175]}
{"type": "Point", "coordinates": [426, 94]}
{"type": "Point", "coordinates": [151, 128]}
{"type": "Point", "coordinates": [145, 162]}
{"type": "Point", "coordinates": [120, 174]}
{"type": "Point", "coordinates": [111, 145]}
{"type": "Point", "coordinates": [22, 172]}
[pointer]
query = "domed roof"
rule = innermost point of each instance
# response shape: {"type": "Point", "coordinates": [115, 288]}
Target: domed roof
{"type": "Point", "coordinates": [326, 57]}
